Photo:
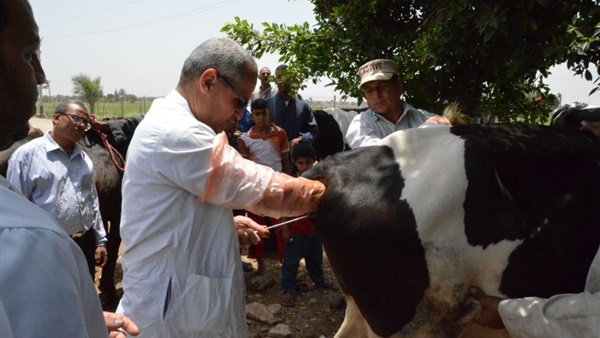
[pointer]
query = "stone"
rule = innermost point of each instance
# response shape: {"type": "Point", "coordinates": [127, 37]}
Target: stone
{"type": "Point", "coordinates": [258, 312]}
{"type": "Point", "coordinates": [259, 283]}
{"type": "Point", "coordinates": [280, 330]}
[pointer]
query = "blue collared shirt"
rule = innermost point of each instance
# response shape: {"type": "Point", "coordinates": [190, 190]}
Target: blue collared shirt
{"type": "Point", "coordinates": [62, 185]}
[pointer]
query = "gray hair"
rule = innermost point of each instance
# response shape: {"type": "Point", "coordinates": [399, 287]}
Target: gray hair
{"type": "Point", "coordinates": [222, 54]}
{"type": "Point", "coordinates": [64, 106]}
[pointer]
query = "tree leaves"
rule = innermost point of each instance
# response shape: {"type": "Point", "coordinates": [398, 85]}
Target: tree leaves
{"type": "Point", "coordinates": [88, 89]}
{"type": "Point", "coordinates": [491, 57]}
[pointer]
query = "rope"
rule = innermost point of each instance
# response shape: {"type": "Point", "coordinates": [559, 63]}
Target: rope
{"type": "Point", "coordinates": [115, 155]}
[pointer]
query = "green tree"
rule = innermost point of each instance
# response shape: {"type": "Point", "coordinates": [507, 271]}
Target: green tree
{"type": "Point", "coordinates": [88, 90]}
{"type": "Point", "coordinates": [489, 56]}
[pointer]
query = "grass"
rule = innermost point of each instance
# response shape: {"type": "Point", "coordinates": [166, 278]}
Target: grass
{"type": "Point", "coordinates": [108, 109]}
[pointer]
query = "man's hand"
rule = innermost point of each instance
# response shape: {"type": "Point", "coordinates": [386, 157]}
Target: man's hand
{"type": "Point", "coordinates": [100, 256]}
{"type": "Point", "coordinates": [100, 125]}
{"type": "Point", "coordinates": [592, 127]}
{"type": "Point", "coordinates": [114, 322]}
{"type": "Point", "coordinates": [249, 232]}
{"type": "Point", "coordinates": [438, 119]}
{"type": "Point", "coordinates": [489, 316]}
{"type": "Point", "coordinates": [294, 141]}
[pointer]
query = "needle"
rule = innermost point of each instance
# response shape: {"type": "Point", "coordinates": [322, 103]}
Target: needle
{"type": "Point", "coordinates": [287, 222]}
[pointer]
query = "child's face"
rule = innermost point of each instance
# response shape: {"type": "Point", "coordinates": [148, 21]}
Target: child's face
{"type": "Point", "coordinates": [304, 163]}
{"type": "Point", "coordinates": [260, 117]}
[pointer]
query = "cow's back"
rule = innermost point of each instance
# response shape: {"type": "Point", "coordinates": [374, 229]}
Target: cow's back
{"type": "Point", "coordinates": [410, 224]}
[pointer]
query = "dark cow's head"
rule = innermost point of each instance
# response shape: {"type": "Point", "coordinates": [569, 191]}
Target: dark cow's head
{"type": "Point", "coordinates": [570, 117]}
{"type": "Point", "coordinates": [410, 224]}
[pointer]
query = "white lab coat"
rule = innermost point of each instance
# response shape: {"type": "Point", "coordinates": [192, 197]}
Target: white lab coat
{"type": "Point", "coordinates": [180, 184]}
{"type": "Point", "coordinates": [567, 315]}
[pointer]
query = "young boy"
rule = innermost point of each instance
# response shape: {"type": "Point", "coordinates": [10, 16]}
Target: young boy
{"type": "Point", "coordinates": [267, 144]}
{"type": "Point", "coordinates": [301, 241]}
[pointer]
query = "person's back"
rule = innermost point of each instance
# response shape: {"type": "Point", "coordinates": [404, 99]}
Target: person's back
{"type": "Point", "coordinates": [56, 275]}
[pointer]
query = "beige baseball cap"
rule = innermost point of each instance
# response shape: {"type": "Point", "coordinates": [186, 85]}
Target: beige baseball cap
{"type": "Point", "coordinates": [379, 69]}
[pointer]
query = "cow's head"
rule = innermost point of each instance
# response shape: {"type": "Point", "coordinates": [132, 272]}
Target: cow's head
{"type": "Point", "coordinates": [362, 221]}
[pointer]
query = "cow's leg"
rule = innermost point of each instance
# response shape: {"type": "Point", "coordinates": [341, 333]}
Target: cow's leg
{"type": "Point", "coordinates": [107, 288]}
{"type": "Point", "coordinates": [354, 324]}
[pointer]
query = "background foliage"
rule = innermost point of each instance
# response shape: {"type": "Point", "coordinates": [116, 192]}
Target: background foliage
{"type": "Point", "coordinates": [489, 56]}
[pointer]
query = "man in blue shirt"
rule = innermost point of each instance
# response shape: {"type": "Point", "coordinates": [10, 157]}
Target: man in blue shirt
{"type": "Point", "coordinates": [295, 116]}
{"type": "Point", "coordinates": [54, 173]}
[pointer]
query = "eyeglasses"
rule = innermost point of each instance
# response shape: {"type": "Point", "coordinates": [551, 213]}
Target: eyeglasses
{"type": "Point", "coordinates": [242, 103]}
{"type": "Point", "coordinates": [78, 119]}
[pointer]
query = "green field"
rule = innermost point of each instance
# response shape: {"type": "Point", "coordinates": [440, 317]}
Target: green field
{"type": "Point", "coordinates": [107, 109]}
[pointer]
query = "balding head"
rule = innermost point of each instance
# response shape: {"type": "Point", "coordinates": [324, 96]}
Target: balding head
{"type": "Point", "coordinates": [221, 54]}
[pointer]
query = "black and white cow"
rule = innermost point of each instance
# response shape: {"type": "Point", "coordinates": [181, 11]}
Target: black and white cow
{"type": "Point", "coordinates": [410, 224]}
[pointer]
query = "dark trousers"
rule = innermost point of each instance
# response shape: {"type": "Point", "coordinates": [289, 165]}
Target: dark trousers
{"type": "Point", "coordinates": [308, 247]}
{"type": "Point", "coordinates": [87, 244]}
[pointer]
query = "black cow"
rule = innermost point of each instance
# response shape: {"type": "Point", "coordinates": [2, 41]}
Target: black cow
{"type": "Point", "coordinates": [333, 124]}
{"type": "Point", "coordinates": [6, 153]}
{"type": "Point", "coordinates": [570, 116]}
{"type": "Point", "coordinates": [408, 225]}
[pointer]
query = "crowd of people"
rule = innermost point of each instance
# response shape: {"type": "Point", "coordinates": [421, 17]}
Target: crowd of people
{"type": "Point", "coordinates": [181, 260]}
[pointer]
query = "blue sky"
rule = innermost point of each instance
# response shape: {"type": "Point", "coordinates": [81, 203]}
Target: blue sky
{"type": "Point", "coordinates": [140, 45]}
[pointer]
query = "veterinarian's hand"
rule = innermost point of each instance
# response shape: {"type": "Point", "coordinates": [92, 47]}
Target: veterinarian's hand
{"type": "Point", "coordinates": [100, 256]}
{"type": "Point", "coordinates": [114, 322]}
{"type": "Point", "coordinates": [437, 119]}
{"type": "Point", "coordinates": [592, 127]}
{"type": "Point", "coordinates": [249, 232]}
{"type": "Point", "coordinates": [489, 316]}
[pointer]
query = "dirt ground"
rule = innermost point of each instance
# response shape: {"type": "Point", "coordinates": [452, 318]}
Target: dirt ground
{"type": "Point", "coordinates": [318, 313]}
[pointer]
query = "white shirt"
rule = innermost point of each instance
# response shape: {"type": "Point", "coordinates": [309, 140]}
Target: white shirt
{"type": "Point", "coordinates": [566, 315]}
{"type": "Point", "coordinates": [180, 184]}
{"type": "Point", "coordinates": [45, 284]}
{"type": "Point", "coordinates": [368, 127]}
{"type": "Point", "coordinates": [61, 184]}
{"type": "Point", "coordinates": [265, 149]}
{"type": "Point", "coordinates": [259, 93]}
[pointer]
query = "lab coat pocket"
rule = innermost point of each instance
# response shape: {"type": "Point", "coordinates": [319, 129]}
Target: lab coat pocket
{"type": "Point", "coordinates": [206, 305]}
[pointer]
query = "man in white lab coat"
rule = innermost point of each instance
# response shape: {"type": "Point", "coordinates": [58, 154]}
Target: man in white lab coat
{"type": "Point", "coordinates": [182, 268]}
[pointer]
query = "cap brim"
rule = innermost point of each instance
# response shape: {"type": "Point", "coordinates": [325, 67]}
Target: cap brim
{"type": "Point", "coordinates": [375, 77]}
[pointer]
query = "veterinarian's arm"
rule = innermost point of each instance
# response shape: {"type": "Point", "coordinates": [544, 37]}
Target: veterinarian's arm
{"type": "Point", "coordinates": [566, 315]}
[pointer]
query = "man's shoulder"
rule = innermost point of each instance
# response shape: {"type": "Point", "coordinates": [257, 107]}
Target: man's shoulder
{"type": "Point", "coordinates": [19, 213]}
{"type": "Point", "coordinates": [37, 144]}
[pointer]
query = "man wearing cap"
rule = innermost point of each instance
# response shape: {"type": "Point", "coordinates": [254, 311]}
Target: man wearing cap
{"type": "Point", "coordinates": [387, 113]}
